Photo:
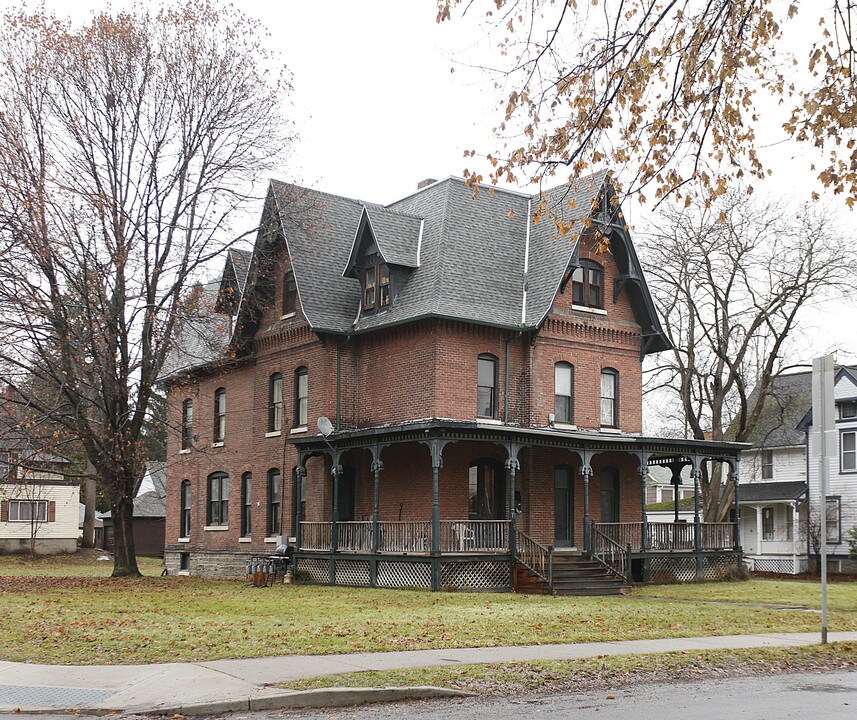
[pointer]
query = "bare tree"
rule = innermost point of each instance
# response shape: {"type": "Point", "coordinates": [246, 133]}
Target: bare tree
{"type": "Point", "coordinates": [670, 89]}
{"type": "Point", "coordinates": [731, 282]}
{"type": "Point", "coordinates": [126, 146]}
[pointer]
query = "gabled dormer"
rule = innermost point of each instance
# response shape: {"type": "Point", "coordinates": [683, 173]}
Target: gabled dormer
{"type": "Point", "coordinates": [385, 250]}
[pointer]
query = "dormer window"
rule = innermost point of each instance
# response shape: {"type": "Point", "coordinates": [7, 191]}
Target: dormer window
{"type": "Point", "coordinates": [587, 285]}
{"type": "Point", "coordinates": [848, 410]}
{"type": "Point", "coordinates": [376, 288]}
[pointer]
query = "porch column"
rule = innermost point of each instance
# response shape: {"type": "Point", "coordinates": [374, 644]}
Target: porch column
{"type": "Point", "coordinates": [794, 536]}
{"type": "Point", "coordinates": [300, 479]}
{"type": "Point", "coordinates": [436, 449]}
{"type": "Point", "coordinates": [644, 536]}
{"type": "Point", "coordinates": [736, 485]}
{"type": "Point", "coordinates": [697, 526]}
{"type": "Point", "coordinates": [758, 530]}
{"type": "Point", "coordinates": [512, 466]}
{"type": "Point", "coordinates": [377, 467]}
{"type": "Point", "coordinates": [336, 472]}
{"type": "Point", "coordinates": [586, 473]}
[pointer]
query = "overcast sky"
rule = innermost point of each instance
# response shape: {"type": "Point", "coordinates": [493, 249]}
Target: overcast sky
{"type": "Point", "coordinates": [377, 109]}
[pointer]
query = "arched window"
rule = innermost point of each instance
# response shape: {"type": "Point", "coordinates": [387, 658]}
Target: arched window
{"type": "Point", "coordinates": [184, 510]}
{"type": "Point", "coordinates": [275, 498]}
{"type": "Point", "coordinates": [486, 386]}
{"type": "Point", "coordinates": [275, 403]}
{"type": "Point", "coordinates": [218, 499]}
{"type": "Point", "coordinates": [246, 503]}
{"type": "Point", "coordinates": [219, 415]}
{"type": "Point", "coordinates": [587, 285]}
{"type": "Point", "coordinates": [563, 392]}
{"type": "Point", "coordinates": [609, 397]}
{"type": "Point", "coordinates": [187, 424]}
{"type": "Point", "coordinates": [290, 293]}
{"type": "Point", "coordinates": [301, 397]}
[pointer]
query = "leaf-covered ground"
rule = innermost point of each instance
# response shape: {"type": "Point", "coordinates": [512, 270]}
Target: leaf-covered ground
{"type": "Point", "coordinates": [604, 673]}
{"type": "Point", "coordinates": [69, 619]}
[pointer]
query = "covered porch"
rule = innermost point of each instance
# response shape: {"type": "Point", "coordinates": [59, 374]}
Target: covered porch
{"type": "Point", "coordinates": [453, 505]}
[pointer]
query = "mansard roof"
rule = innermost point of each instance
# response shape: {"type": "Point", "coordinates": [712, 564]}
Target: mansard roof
{"type": "Point", "coordinates": [477, 259]}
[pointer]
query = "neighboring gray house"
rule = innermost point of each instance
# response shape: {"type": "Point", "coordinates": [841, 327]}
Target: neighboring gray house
{"type": "Point", "coordinates": [150, 511]}
{"type": "Point", "coordinates": [780, 494]}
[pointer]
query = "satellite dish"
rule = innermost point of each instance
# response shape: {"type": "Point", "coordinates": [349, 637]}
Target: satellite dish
{"type": "Point", "coordinates": [324, 426]}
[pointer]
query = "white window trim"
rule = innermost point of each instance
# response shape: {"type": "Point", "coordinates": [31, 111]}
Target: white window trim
{"type": "Point", "coordinates": [488, 421]}
{"type": "Point", "coordinates": [288, 315]}
{"type": "Point", "coordinates": [273, 433]}
{"type": "Point", "coordinates": [184, 451]}
{"type": "Point", "coordinates": [565, 426]}
{"type": "Point", "coordinates": [215, 528]}
{"type": "Point", "coordinates": [183, 540]}
{"type": "Point", "coordinates": [245, 539]}
{"type": "Point", "coordinates": [301, 429]}
{"type": "Point", "coordinates": [271, 540]}
{"type": "Point", "coordinates": [592, 310]}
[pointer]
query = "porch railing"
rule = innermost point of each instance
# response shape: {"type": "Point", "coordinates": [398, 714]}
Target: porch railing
{"type": "Point", "coordinates": [535, 556]}
{"type": "Point", "coordinates": [670, 536]}
{"type": "Point", "coordinates": [409, 536]}
{"type": "Point", "coordinates": [610, 553]}
{"type": "Point", "coordinates": [474, 536]}
{"type": "Point", "coordinates": [315, 535]}
{"type": "Point", "coordinates": [404, 536]}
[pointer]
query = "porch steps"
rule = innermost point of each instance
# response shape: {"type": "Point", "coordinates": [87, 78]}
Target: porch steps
{"type": "Point", "coordinates": [573, 574]}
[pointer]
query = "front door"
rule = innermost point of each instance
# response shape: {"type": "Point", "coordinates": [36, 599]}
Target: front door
{"type": "Point", "coordinates": [563, 499]}
{"type": "Point", "coordinates": [609, 495]}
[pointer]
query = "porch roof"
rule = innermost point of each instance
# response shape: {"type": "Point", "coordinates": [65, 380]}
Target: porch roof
{"type": "Point", "coordinates": [771, 491]}
{"type": "Point", "coordinates": [452, 430]}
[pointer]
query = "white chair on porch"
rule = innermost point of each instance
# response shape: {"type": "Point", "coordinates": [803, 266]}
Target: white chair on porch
{"type": "Point", "coordinates": [465, 538]}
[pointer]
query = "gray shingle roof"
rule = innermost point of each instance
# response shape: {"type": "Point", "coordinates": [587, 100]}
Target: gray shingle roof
{"type": "Point", "coordinates": [767, 491]}
{"type": "Point", "coordinates": [240, 260]}
{"type": "Point", "coordinates": [461, 256]}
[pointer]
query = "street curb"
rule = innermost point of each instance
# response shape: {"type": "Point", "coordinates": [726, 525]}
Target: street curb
{"type": "Point", "coordinates": [321, 698]}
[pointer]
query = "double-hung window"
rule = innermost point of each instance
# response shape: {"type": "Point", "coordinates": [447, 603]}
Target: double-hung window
{"type": "Point", "coordinates": [218, 499]}
{"type": "Point", "coordinates": [219, 415]}
{"type": "Point", "coordinates": [274, 502]}
{"type": "Point", "coordinates": [486, 386]}
{"type": "Point", "coordinates": [768, 523]}
{"type": "Point", "coordinates": [28, 511]}
{"type": "Point", "coordinates": [767, 464]}
{"type": "Point", "coordinates": [290, 293]}
{"type": "Point", "coordinates": [609, 398]}
{"type": "Point", "coordinates": [246, 503]}
{"type": "Point", "coordinates": [184, 510]}
{"type": "Point", "coordinates": [275, 403]}
{"type": "Point", "coordinates": [848, 451]}
{"type": "Point", "coordinates": [563, 392]}
{"type": "Point", "coordinates": [376, 287]}
{"type": "Point", "coordinates": [301, 397]}
{"type": "Point", "coordinates": [187, 424]}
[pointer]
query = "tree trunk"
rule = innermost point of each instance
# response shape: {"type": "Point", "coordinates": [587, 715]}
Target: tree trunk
{"type": "Point", "coordinates": [124, 555]}
{"type": "Point", "coordinates": [89, 491]}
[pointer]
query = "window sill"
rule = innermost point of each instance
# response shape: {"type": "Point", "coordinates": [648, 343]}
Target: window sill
{"type": "Point", "coordinates": [611, 430]}
{"type": "Point", "coordinates": [295, 431]}
{"type": "Point", "coordinates": [218, 444]}
{"type": "Point", "coordinates": [288, 315]}
{"type": "Point", "coordinates": [592, 310]}
{"type": "Point", "coordinates": [488, 421]}
{"type": "Point", "coordinates": [215, 528]}
{"type": "Point", "coordinates": [184, 451]}
{"type": "Point", "coordinates": [273, 433]}
{"type": "Point", "coordinates": [184, 540]}
{"type": "Point", "coordinates": [564, 426]}
{"type": "Point", "coordinates": [184, 573]}
{"type": "Point", "coordinates": [271, 540]}
{"type": "Point", "coordinates": [245, 539]}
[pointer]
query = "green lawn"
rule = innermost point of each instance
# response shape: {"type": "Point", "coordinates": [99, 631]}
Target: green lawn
{"type": "Point", "coordinates": [81, 564]}
{"type": "Point", "coordinates": [841, 596]}
{"type": "Point", "coordinates": [53, 613]}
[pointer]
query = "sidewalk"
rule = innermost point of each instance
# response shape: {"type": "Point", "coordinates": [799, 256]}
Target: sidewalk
{"type": "Point", "coordinates": [235, 685]}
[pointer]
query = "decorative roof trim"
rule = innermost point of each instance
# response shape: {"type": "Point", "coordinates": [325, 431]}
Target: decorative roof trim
{"type": "Point", "coordinates": [420, 240]}
{"type": "Point", "coordinates": [525, 282]}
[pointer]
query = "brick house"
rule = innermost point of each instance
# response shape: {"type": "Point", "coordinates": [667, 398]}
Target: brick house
{"type": "Point", "coordinates": [476, 378]}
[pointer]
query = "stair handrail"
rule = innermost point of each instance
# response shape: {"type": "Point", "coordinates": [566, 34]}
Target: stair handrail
{"type": "Point", "coordinates": [534, 556]}
{"type": "Point", "coordinates": [610, 553]}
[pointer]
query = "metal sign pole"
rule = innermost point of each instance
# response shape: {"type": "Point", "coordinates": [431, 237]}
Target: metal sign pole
{"type": "Point", "coordinates": [823, 422]}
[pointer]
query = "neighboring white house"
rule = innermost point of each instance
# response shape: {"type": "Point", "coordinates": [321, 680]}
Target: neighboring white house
{"type": "Point", "coordinates": [779, 492]}
{"type": "Point", "coordinates": [38, 505]}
